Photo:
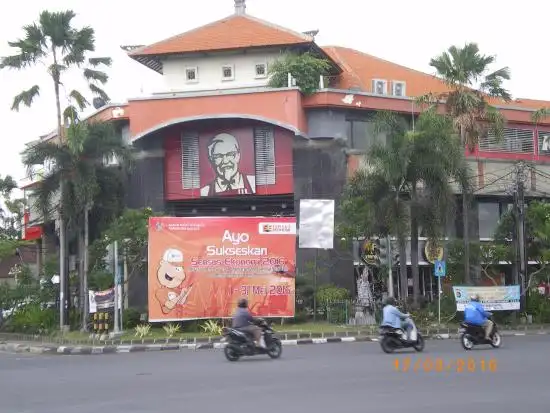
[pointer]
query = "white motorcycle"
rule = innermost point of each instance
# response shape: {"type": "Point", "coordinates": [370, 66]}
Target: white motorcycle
{"type": "Point", "coordinates": [392, 339]}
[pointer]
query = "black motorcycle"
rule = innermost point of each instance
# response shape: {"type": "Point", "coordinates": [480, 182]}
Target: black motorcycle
{"type": "Point", "coordinates": [392, 339]}
{"type": "Point", "coordinates": [241, 344]}
{"type": "Point", "coordinates": [472, 335]}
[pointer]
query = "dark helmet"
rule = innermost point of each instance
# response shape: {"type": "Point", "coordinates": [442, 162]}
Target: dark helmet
{"type": "Point", "coordinates": [390, 301]}
{"type": "Point", "coordinates": [243, 303]}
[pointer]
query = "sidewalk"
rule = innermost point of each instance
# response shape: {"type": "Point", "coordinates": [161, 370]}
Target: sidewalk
{"type": "Point", "coordinates": [216, 343]}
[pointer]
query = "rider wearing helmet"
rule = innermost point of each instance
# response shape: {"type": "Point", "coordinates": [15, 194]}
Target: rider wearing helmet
{"type": "Point", "coordinates": [242, 320]}
{"type": "Point", "coordinates": [475, 314]}
{"type": "Point", "coordinates": [394, 318]}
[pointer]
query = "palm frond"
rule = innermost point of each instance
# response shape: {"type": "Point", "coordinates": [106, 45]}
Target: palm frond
{"type": "Point", "coordinates": [79, 99]}
{"type": "Point", "coordinates": [57, 26]}
{"type": "Point", "coordinates": [31, 49]}
{"type": "Point", "coordinates": [45, 152]}
{"type": "Point", "coordinates": [26, 97]}
{"type": "Point", "coordinates": [70, 115]}
{"type": "Point", "coordinates": [55, 70]}
{"type": "Point", "coordinates": [97, 61]}
{"type": "Point", "coordinates": [99, 92]}
{"type": "Point", "coordinates": [82, 42]}
{"type": "Point", "coordinates": [95, 76]}
{"type": "Point", "coordinates": [539, 115]}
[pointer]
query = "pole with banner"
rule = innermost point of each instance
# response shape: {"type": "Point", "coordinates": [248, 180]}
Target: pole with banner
{"type": "Point", "coordinates": [440, 270]}
{"type": "Point", "coordinates": [316, 231]}
{"type": "Point", "coordinates": [117, 275]}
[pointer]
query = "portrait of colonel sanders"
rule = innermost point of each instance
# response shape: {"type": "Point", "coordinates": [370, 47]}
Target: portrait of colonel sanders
{"type": "Point", "coordinates": [224, 155]}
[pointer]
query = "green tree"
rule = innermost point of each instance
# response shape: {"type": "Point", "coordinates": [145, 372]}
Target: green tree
{"type": "Point", "coordinates": [130, 230]}
{"type": "Point", "coordinates": [407, 185]}
{"type": "Point", "coordinates": [471, 86]}
{"type": "Point", "coordinates": [80, 164]}
{"type": "Point", "coordinates": [537, 235]}
{"type": "Point", "coordinates": [306, 68]}
{"type": "Point", "coordinates": [54, 43]}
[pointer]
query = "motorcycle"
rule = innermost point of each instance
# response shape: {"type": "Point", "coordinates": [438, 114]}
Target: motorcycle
{"type": "Point", "coordinates": [472, 335]}
{"type": "Point", "coordinates": [392, 339]}
{"type": "Point", "coordinates": [241, 344]}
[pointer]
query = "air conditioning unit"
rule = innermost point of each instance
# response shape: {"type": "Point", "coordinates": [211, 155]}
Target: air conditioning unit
{"type": "Point", "coordinates": [379, 87]}
{"type": "Point", "coordinates": [398, 88]}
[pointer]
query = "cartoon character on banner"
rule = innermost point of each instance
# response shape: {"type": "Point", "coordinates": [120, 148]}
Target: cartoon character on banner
{"type": "Point", "coordinates": [171, 276]}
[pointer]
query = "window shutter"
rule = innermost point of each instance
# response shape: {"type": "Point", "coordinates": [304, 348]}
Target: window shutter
{"type": "Point", "coordinates": [264, 146]}
{"type": "Point", "coordinates": [513, 140]}
{"type": "Point", "coordinates": [190, 172]}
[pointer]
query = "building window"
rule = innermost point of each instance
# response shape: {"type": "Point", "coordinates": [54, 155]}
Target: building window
{"type": "Point", "coordinates": [264, 146]}
{"type": "Point", "coordinates": [190, 172]}
{"type": "Point", "coordinates": [261, 70]}
{"type": "Point", "coordinates": [513, 141]}
{"type": "Point", "coordinates": [544, 143]}
{"type": "Point", "coordinates": [488, 218]}
{"type": "Point", "coordinates": [361, 134]}
{"type": "Point", "coordinates": [228, 72]}
{"type": "Point", "coordinates": [192, 74]}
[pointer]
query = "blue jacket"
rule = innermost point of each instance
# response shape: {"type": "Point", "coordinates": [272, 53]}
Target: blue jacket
{"type": "Point", "coordinates": [392, 317]}
{"type": "Point", "coordinates": [475, 314]}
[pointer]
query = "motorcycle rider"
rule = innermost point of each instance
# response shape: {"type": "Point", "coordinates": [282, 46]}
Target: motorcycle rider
{"type": "Point", "coordinates": [242, 321]}
{"type": "Point", "coordinates": [394, 318]}
{"type": "Point", "coordinates": [475, 314]}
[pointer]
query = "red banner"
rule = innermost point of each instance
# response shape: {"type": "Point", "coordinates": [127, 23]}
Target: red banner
{"type": "Point", "coordinates": [200, 267]}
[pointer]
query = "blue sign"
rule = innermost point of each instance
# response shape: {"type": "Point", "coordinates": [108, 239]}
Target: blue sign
{"type": "Point", "coordinates": [440, 268]}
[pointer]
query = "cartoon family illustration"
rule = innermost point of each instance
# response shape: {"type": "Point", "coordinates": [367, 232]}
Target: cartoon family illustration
{"type": "Point", "coordinates": [171, 276]}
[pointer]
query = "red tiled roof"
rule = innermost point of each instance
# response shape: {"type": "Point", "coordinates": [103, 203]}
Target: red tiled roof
{"type": "Point", "coordinates": [233, 32]}
{"type": "Point", "coordinates": [360, 68]}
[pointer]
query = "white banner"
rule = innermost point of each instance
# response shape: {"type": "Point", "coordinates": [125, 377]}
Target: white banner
{"type": "Point", "coordinates": [497, 298]}
{"type": "Point", "coordinates": [316, 224]}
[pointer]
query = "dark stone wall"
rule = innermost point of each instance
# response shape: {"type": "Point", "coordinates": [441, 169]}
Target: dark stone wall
{"type": "Point", "coordinates": [146, 180]}
{"type": "Point", "coordinates": [320, 170]}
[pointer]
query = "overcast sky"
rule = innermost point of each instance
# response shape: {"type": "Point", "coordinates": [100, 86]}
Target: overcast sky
{"type": "Point", "coordinates": [403, 31]}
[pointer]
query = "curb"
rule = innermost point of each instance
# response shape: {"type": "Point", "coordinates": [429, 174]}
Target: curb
{"type": "Point", "coordinates": [137, 348]}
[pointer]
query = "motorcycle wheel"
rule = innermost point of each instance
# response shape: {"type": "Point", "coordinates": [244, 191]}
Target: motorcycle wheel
{"type": "Point", "coordinates": [466, 342]}
{"type": "Point", "coordinates": [386, 344]}
{"type": "Point", "coordinates": [497, 340]}
{"type": "Point", "coordinates": [231, 354]}
{"type": "Point", "coordinates": [275, 350]}
{"type": "Point", "coordinates": [419, 346]}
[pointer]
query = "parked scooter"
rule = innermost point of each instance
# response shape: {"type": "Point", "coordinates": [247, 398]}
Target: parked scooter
{"type": "Point", "coordinates": [392, 339]}
{"type": "Point", "coordinates": [472, 335]}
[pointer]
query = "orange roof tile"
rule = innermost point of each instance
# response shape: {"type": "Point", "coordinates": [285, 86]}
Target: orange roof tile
{"type": "Point", "coordinates": [233, 32]}
{"type": "Point", "coordinates": [360, 68]}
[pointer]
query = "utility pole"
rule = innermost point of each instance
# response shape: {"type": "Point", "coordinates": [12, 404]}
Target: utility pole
{"type": "Point", "coordinates": [520, 205]}
{"type": "Point", "coordinates": [390, 271]}
{"type": "Point", "coordinates": [518, 238]}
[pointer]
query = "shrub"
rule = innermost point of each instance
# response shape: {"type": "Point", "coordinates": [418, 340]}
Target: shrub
{"type": "Point", "coordinates": [130, 318]}
{"type": "Point", "coordinates": [33, 319]}
{"type": "Point", "coordinates": [330, 293]}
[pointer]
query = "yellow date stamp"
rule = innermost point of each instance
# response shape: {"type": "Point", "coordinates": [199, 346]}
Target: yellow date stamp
{"type": "Point", "coordinates": [440, 365]}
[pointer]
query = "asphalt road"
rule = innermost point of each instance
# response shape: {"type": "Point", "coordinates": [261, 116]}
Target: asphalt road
{"type": "Point", "coordinates": [352, 377]}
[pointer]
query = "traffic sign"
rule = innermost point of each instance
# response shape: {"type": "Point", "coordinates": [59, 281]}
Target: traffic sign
{"type": "Point", "coordinates": [440, 268]}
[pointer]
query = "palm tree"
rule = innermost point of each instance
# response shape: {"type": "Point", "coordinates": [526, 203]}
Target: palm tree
{"type": "Point", "coordinates": [79, 164]}
{"type": "Point", "coordinates": [472, 86]}
{"type": "Point", "coordinates": [407, 184]}
{"type": "Point", "coordinates": [56, 44]}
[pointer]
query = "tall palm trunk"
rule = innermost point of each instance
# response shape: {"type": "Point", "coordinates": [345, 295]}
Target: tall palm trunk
{"type": "Point", "coordinates": [84, 285]}
{"type": "Point", "coordinates": [414, 246]}
{"type": "Point", "coordinates": [403, 279]}
{"type": "Point", "coordinates": [466, 235]}
{"type": "Point", "coordinates": [465, 221]}
{"type": "Point", "coordinates": [63, 278]}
